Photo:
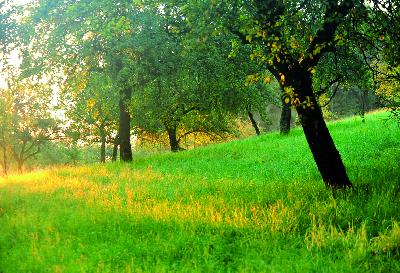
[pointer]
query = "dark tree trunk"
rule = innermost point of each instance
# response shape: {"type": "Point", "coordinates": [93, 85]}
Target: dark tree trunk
{"type": "Point", "coordinates": [115, 149]}
{"type": "Point", "coordinates": [103, 145]}
{"type": "Point", "coordinates": [253, 122]}
{"type": "Point", "coordinates": [173, 140]}
{"type": "Point", "coordinates": [319, 139]}
{"type": "Point", "coordinates": [286, 117]}
{"type": "Point", "coordinates": [364, 104]}
{"type": "Point", "coordinates": [125, 125]}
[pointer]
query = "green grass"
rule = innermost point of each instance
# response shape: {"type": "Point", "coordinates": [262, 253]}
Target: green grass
{"type": "Point", "coordinates": [254, 205]}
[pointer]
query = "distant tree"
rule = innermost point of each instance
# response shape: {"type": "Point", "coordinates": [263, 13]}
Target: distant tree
{"type": "Point", "coordinates": [92, 112]}
{"type": "Point", "coordinates": [188, 95]}
{"type": "Point", "coordinates": [26, 121]}
{"type": "Point", "coordinates": [376, 33]}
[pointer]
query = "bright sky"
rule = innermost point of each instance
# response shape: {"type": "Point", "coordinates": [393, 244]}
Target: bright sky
{"type": "Point", "coordinates": [14, 59]}
{"type": "Point", "coordinates": [20, 2]}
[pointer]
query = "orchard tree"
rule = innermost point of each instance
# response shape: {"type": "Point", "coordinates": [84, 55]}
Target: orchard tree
{"type": "Point", "coordinates": [190, 81]}
{"type": "Point", "coordinates": [92, 112]}
{"type": "Point", "coordinates": [376, 33]}
{"type": "Point", "coordinates": [290, 38]}
{"type": "Point", "coordinates": [85, 37]}
{"type": "Point", "coordinates": [26, 122]}
{"type": "Point", "coordinates": [188, 95]}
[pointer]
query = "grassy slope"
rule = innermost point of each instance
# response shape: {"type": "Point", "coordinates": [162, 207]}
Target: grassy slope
{"type": "Point", "coordinates": [256, 205]}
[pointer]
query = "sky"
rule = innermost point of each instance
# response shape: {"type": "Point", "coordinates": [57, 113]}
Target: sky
{"type": "Point", "coordinates": [14, 55]}
{"type": "Point", "coordinates": [20, 2]}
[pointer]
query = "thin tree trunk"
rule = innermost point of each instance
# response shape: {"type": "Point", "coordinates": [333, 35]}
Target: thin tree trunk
{"type": "Point", "coordinates": [364, 103]}
{"type": "Point", "coordinates": [115, 148]}
{"type": "Point", "coordinates": [125, 125]}
{"type": "Point", "coordinates": [173, 141]}
{"type": "Point", "coordinates": [103, 145]}
{"type": "Point", "coordinates": [5, 163]}
{"type": "Point", "coordinates": [20, 164]}
{"type": "Point", "coordinates": [286, 116]}
{"type": "Point", "coordinates": [253, 122]}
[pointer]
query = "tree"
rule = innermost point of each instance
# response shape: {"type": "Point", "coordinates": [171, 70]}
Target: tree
{"type": "Point", "coordinates": [188, 94]}
{"type": "Point", "coordinates": [82, 38]}
{"type": "Point", "coordinates": [91, 110]}
{"type": "Point", "coordinates": [26, 123]}
{"type": "Point", "coordinates": [190, 80]}
{"type": "Point", "coordinates": [375, 32]}
{"type": "Point", "coordinates": [290, 38]}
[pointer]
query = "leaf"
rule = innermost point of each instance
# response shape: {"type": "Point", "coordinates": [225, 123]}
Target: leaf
{"type": "Point", "coordinates": [267, 79]}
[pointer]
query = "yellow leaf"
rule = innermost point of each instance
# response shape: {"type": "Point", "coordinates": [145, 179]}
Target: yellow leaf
{"type": "Point", "coordinates": [90, 103]}
{"type": "Point", "coordinates": [282, 78]}
{"type": "Point", "coordinates": [267, 79]}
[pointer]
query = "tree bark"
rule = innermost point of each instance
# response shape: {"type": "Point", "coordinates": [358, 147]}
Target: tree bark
{"type": "Point", "coordinates": [173, 140]}
{"type": "Point", "coordinates": [115, 148]}
{"type": "Point", "coordinates": [326, 156]}
{"type": "Point", "coordinates": [103, 145]}
{"type": "Point", "coordinates": [286, 116]}
{"type": "Point", "coordinates": [125, 125]}
{"type": "Point", "coordinates": [253, 122]}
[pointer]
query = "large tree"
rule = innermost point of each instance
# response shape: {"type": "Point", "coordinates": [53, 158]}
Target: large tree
{"type": "Point", "coordinates": [290, 38]}
{"type": "Point", "coordinates": [83, 38]}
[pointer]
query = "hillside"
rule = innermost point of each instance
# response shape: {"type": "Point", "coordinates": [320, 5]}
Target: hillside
{"type": "Point", "coordinates": [254, 205]}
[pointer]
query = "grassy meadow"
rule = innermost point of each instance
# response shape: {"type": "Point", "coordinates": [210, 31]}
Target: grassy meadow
{"type": "Point", "coordinates": [254, 205]}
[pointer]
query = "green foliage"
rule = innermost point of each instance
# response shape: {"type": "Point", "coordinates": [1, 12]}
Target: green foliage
{"type": "Point", "coordinates": [25, 120]}
{"type": "Point", "coordinates": [247, 206]}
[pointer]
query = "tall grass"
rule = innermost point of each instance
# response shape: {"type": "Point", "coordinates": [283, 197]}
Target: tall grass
{"type": "Point", "coordinates": [255, 205]}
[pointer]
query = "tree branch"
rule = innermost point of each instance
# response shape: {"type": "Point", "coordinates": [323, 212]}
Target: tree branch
{"type": "Point", "coordinates": [330, 83]}
{"type": "Point", "coordinates": [332, 96]}
{"type": "Point", "coordinates": [324, 37]}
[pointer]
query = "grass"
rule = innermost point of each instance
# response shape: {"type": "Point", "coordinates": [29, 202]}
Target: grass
{"type": "Point", "coordinates": [255, 205]}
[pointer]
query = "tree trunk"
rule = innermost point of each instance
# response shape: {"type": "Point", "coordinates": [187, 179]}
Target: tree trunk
{"type": "Point", "coordinates": [286, 117]}
{"type": "Point", "coordinates": [20, 164]}
{"type": "Point", "coordinates": [173, 141]}
{"type": "Point", "coordinates": [103, 145]}
{"type": "Point", "coordinates": [321, 144]}
{"type": "Point", "coordinates": [125, 125]}
{"type": "Point", "coordinates": [364, 103]}
{"type": "Point", "coordinates": [253, 122]}
{"type": "Point", "coordinates": [5, 162]}
{"type": "Point", "coordinates": [115, 149]}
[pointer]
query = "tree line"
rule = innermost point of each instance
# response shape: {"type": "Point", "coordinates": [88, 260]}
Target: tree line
{"type": "Point", "coordinates": [119, 69]}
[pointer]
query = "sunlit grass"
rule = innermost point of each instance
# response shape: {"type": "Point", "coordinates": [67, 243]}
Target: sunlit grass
{"type": "Point", "coordinates": [256, 205]}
